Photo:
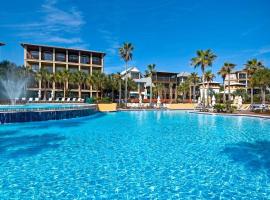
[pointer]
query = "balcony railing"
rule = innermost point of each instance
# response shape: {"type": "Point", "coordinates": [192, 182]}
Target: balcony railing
{"type": "Point", "coordinates": [96, 61]}
{"type": "Point", "coordinates": [85, 59]}
{"type": "Point", "coordinates": [47, 56]}
{"type": "Point", "coordinates": [73, 58]}
{"type": "Point", "coordinates": [33, 55]}
{"type": "Point", "coordinates": [60, 57]}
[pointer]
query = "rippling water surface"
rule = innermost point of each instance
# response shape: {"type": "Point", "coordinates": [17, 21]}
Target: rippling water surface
{"type": "Point", "coordinates": [137, 155]}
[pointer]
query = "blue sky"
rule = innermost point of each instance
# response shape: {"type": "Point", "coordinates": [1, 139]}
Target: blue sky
{"type": "Point", "coordinates": [164, 32]}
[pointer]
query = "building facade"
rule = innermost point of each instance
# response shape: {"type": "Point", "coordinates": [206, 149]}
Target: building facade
{"type": "Point", "coordinates": [55, 59]}
{"type": "Point", "coordinates": [238, 77]}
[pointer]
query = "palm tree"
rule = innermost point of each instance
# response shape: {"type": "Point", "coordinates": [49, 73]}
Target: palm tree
{"type": "Point", "coordinates": [131, 85]}
{"type": "Point", "coordinates": [65, 76]}
{"type": "Point", "coordinates": [43, 76]}
{"type": "Point", "coordinates": [126, 54]}
{"type": "Point", "coordinates": [194, 79]}
{"type": "Point", "coordinates": [183, 88]}
{"type": "Point", "coordinates": [79, 78]}
{"type": "Point", "coordinates": [158, 89]}
{"type": "Point", "coordinates": [149, 72]}
{"type": "Point", "coordinates": [118, 78]}
{"type": "Point", "coordinates": [228, 67]}
{"type": "Point", "coordinates": [203, 60]}
{"type": "Point", "coordinates": [222, 72]}
{"type": "Point", "coordinates": [209, 77]}
{"type": "Point", "coordinates": [261, 78]}
{"type": "Point", "coordinates": [251, 67]}
{"type": "Point", "coordinates": [98, 80]}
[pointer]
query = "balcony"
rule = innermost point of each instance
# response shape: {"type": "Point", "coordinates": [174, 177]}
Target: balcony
{"type": "Point", "coordinates": [73, 58]}
{"type": "Point", "coordinates": [47, 55]}
{"type": "Point", "coordinates": [33, 55]}
{"type": "Point", "coordinates": [96, 61]}
{"type": "Point", "coordinates": [60, 57]}
{"type": "Point", "coordinates": [85, 59]}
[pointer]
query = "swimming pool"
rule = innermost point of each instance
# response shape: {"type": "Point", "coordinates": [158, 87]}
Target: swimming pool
{"type": "Point", "coordinates": [141, 154]}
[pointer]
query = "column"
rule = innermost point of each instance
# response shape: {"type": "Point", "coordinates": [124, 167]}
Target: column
{"type": "Point", "coordinates": [39, 62]}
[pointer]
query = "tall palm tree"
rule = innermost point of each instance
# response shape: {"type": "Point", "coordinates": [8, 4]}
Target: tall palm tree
{"type": "Point", "coordinates": [158, 89]}
{"type": "Point", "coordinates": [79, 78]}
{"type": "Point", "coordinates": [183, 88]}
{"type": "Point", "coordinates": [149, 72]}
{"type": "Point", "coordinates": [98, 80]}
{"type": "Point", "coordinates": [118, 78]}
{"type": "Point", "coordinates": [194, 79]}
{"type": "Point", "coordinates": [251, 67]}
{"type": "Point", "coordinates": [209, 77]}
{"type": "Point", "coordinates": [126, 53]}
{"type": "Point", "coordinates": [43, 76]}
{"type": "Point", "coordinates": [65, 76]}
{"type": "Point", "coordinates": [261, 78]}
{"type": "Point", "coordinates": [228, 67]}
{"type": "Point", "coordinates": [203, 60]}
{"type": "Point", "coordinates": [222, 72]}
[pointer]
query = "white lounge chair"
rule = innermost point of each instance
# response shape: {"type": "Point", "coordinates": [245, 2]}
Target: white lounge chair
{"type": "Point", "coordinates": [68, 99]}
{"type": "Point", "coordinates": [57, 99]}
{"type": "Point", "coordinates": [36, 99]}
{"type": "Point", "coordinates": [50, 99]}
{"type": "Point", "coordinates": [82, 101]}
{"type": "Point", "coordinates": [30, 99]}
{"type": "Point", "coordinates": [23, 99]}
{"type": "Point", "coordinates": [63, 99]}
{"type": "Point", "coordinates": [79, 99]}
{"type": "Point", "coordinates": [74, 99]}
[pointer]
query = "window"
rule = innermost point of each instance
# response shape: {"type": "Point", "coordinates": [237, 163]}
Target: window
{"type": "Point", "coordinates": [73, 58]}
{"type": "Point", "coordinates": [35, 67]}
{"type": "Point", "coordinates": [85, 59]}
{"type": "Point", "coordinates": [60, 57]}
{"type": "Point", "coordinates": [96, 60]}
{"type": "Point", "coordinates": [242, 75]}
{"type": "Point", "coordinates": [47, 55]}
{"type": "Point", "coordinates": [34, 55]}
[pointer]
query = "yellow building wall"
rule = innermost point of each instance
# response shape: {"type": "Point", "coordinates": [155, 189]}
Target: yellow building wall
{"type": "Point", "coordinates": [108, 107]}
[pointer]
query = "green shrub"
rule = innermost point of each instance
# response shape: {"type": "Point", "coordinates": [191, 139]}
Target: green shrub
{"type": "Point", "coordinates": [219, 107]}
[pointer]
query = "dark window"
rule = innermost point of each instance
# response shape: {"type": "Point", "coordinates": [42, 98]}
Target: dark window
{"type": "Point", "coordinates": [242, 75]}
{"type": "Point", "coordinates": [35, 67]}
{"type": "Point", "coordinates": [34, 55]}
{"type": "Point", "coordinates": [60, 57]}
{"type": "Point", "coordinates": [47, 55]}
{"type": "Point", "coordinates": [85, 59]}
{"type": "Point", "coordinates": [96, 60]}
{"type": "Point", "coordinates": [73, 58]}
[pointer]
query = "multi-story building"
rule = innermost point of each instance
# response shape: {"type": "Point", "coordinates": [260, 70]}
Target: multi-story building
{"type": "Point", "coordinates": [55, 59]}
{"type": "Point", "coordinates": [238, 77]}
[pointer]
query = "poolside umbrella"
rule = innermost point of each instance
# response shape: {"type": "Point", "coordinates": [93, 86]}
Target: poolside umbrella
{"type": "Point", "coordinates": [199, 100]}
{"type": "Point", "coordinates": [240, 102]}
{"type": "Point", "coordinates": [213, 100]}
{"type": "Point", "coordinates": [39, 94]}
{"type": "Point", "coordinates": [140, 99]}
{"type": "Point", "coordinates": [145, 93]}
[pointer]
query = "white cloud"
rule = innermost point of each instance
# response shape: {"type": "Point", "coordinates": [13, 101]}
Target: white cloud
{"type": "Point", "coordinates": [56, 25]}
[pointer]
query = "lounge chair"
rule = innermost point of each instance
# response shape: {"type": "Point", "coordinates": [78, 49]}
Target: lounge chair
{"type": "Point", "coordinates": [23, 99]}
{"type": "Point", "coordinates": [30, 99]}
{"type": "Point", "coordinates": [74, 99]}
{"type": "Point", "coordinates": [82, 101]}
{"type": "Point", "coordinates": [63, 99]}
{"type": "Point", "coordinates": [50, 99]}
{"type": "Point", "coordinates": [57, 99]}
{"type": "Point", "coordinates": [68, 99]}
{"type": "Point", "coordinates": [36, 99]}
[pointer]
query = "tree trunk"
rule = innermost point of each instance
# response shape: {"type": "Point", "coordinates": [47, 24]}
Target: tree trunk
{"type": "Point", "coordinates": [45, 91]}
{"type": "Point", "coordinates": [151, 90]}
{"type": "Point", "coordinates": [65, 90]}
{"type": "Point", "coordinates": [251, 95]}
{"type": "Point", "coordinates": [79, 91]}
{"type": "Point", "coordinates": [203, 97]}
{"type": "Point", "coordinates": [170, 94]}
{"type": "Point", "coordinates": [126, 86]}
{"type": "Point", "coordinates": [207, 94]}
{"type": "Point", "coordinates": [194, 96]}
{"type": "Point", "coordinates": [224, 95]}
{"type": "Point", "coordinates": [190, 94]}
{"type": "Point", "coordinates": [229, 87]}
{"type": "Point", "coordinates": [120, 88]}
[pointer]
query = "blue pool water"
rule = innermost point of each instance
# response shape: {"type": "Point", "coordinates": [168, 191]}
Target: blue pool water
{"type": "Point", "coordinates": [137, 155]}
{"type": "Point", "coordinates": [39, 106]}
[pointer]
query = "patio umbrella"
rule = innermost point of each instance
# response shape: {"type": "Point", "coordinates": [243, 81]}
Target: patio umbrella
{"type": "Point", "coordinates": [39, 94]}
{"type": "Point", "coordinates": [158, 100]}
{"type": "Point", "coordinates": [213, 100]}
{"type": "Point", "coordinates": [240, 102]}
{"type": "Point", "coordinates": [140, 99]}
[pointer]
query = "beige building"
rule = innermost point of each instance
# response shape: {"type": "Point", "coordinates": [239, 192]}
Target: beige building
{"type": "Point", "coordinates": [237, 78]}
{"type": "Point", "coordinates": [55, 59]}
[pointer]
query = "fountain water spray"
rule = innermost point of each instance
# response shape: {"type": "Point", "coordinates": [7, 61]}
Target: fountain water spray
{"type": "Point", "coordinates": [14, 85]}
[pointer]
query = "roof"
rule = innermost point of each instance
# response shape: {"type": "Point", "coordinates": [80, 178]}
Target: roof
{"type": "Point", "coordinates": [2, 44]}
{"type": "Point", "coordinates": [235, 83]}
{"type": "Point", "coordinates": [58, 47]}
{"type": "Point", "coordinates": [181, 74]}
{"type": "Point", "coordinates": [133, 69]}
{"type": "Point", "coordinates": [212, 82]}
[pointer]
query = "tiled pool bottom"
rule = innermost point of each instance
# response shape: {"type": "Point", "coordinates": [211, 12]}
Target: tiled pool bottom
{"type": "Point", "coordinates": [140, 155]}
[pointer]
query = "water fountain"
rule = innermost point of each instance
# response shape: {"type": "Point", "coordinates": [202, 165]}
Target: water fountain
{"type": "Point", "coordinates": [14, 85]}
